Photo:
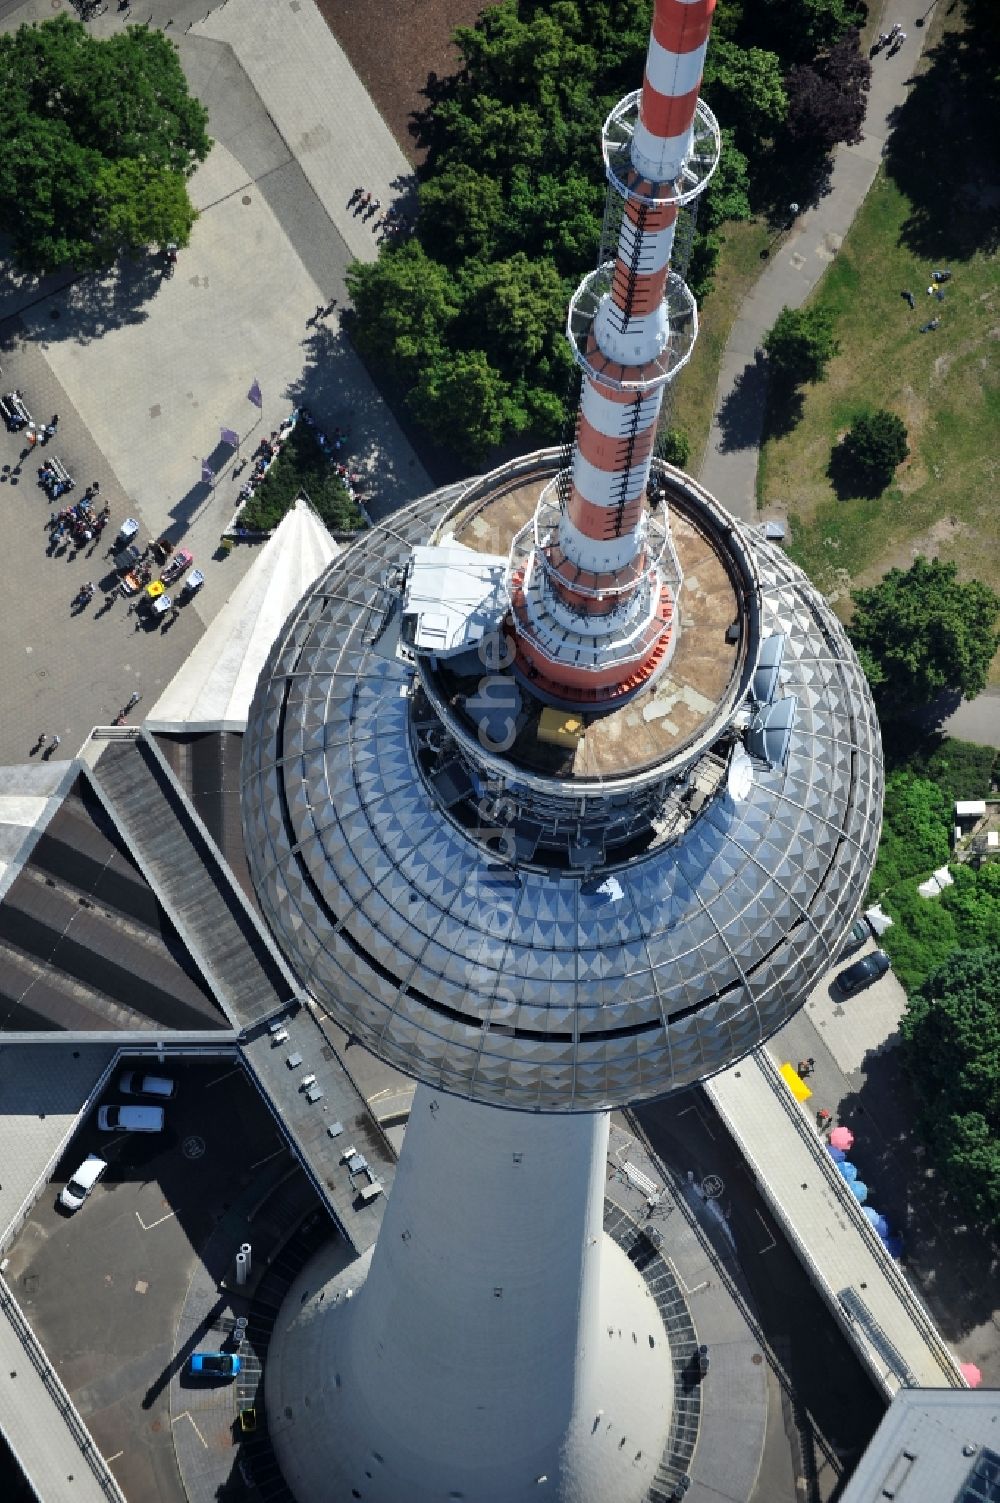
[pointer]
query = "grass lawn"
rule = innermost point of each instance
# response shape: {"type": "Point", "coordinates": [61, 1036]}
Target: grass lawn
{"type": "Point", "coordinates": [943, 384]}
{"type": "Point", "coordinates": [738, 267]}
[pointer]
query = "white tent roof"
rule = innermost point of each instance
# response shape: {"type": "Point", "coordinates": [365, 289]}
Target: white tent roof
{"type": "Point", "coordinates": [213, 688]}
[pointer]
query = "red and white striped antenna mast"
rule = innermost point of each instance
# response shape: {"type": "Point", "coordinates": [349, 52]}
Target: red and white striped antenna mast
{"type": "Point", "coordinates": [593, 579]}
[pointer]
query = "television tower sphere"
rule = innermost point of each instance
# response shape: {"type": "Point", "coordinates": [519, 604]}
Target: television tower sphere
{"type": "Point", "coordinates": [546, 908]}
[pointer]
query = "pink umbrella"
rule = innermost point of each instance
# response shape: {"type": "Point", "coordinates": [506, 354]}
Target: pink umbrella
{"type": "Point", "coordinates": [970, 1372]}
{"type": "Point", "coordinates": [842, 1137]}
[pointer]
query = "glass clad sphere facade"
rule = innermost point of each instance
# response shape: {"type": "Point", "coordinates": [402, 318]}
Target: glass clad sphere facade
{"type": "Point", "coordinates": [537, 988]}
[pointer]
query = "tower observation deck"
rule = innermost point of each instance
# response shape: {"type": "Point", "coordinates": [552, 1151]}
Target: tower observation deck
{"type": "Point", "coordinates": [556, 801]}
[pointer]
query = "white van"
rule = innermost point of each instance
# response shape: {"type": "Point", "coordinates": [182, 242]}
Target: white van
{"type": "Point", "coordinates": [82, 1182]}
{"type": "Point", "coordinates": [130, 1119]}
{"type": "Point", "coordinates": [133, 1083]}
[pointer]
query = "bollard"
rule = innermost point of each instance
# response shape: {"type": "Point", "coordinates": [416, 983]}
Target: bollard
{"type": "Point", "coordinates": [246, 1251]}
{"type": "Point", "coordinates": [241, 1268]}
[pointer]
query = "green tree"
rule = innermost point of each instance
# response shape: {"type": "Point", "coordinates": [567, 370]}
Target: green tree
{"type": "Point", "coordinates": [728, 194]}
{"type": "Point", "coordinates": [461, 214]}
{"type": "Point", "coordinates": [951, 1039]}
{"type": "Point", "coordinates": [464, 403]}
{"type": "Point", "coordinates": [865, 460]}
{"type": "Point", "coordinates": [921, 631]}
{"type": "Point", "coordinates": [800, 345]}
{"type": "Point", "coordinates": [404, 304]}
{"type": "Point", "coordinates": [674, 446]}
{"type": "Point", "coordinates": [139, 205]}
{"type": "Point", "coordinates": [800, 29]}
{"type": "Point", "coordinates": [917, 817]}
{"type": "Point", "coordinates": [517, 309]}
{"type": "Point", "coordinates": [97, 139]}
{"type": "Point", "coordinates": [745, 89]}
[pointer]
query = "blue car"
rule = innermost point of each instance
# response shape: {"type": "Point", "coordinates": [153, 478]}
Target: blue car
{"type": "Point", "coordinates": [213, 1364]}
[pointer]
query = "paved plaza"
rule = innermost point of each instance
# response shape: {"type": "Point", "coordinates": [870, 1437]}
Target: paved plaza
{"type": "Point", "coordinates": [143, 371]}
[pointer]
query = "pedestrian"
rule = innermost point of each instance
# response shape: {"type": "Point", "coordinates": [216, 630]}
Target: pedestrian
{"type": "Point", "coordinates": [330, 307]}
{"type": "Point", "coordinates": [55, 743]}
{"type": "Point", "coordinates": [803, 1068]}
{"type": "Point", "coordinates": [31, 437]}
{"type": "Point", "coordinates": [823, 1118]}
{"type": "Point", "coordinates": [909, 298]}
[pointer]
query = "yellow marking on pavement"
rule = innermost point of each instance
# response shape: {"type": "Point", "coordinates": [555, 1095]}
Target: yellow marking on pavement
{"type": "Point", "coordinates": [188, 1415]}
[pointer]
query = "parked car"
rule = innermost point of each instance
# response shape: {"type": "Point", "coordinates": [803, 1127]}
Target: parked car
{"type": "Point", "coordinates": [130, 1118]}
{"type": "Point", "coordinates": [862, 973]}
{"type": "Point", "coordinates": [214, 1364]}
{"type": "Point", "coordinates": [83, 1181]}
{"type": "Point", "coordinates": [157, 1086]}
{"type": "Point", "coordinates": [856, 935]}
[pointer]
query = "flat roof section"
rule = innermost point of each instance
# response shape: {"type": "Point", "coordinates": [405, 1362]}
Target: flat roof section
{"type": "Point", "coordinates": [282, 1062]}
{"type": "Point", "coordinates": [932, 1447]}
{"type": "Point", "coordinates": [658, 722]}
{"type": "Point", "coordinates": [85, 945]}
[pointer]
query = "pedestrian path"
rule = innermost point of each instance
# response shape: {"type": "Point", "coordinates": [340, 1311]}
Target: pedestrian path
{"type": "Point", "coordinates": [319, 105]}
{"type": "Point", "coordinates": [868, 1294]}
{"type": "Point", "coordinates": [729, 466]}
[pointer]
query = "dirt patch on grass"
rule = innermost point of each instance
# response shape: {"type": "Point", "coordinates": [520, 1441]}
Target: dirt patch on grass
{"type": "Point", "coordinates": [395, 46]}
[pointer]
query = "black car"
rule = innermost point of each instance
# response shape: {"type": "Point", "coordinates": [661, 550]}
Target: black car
{"type": "Point", "coordinates": [862, 973]}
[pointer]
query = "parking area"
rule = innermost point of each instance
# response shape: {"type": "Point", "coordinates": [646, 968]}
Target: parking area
{"type": "Point", "coordinates": [104, 1287]}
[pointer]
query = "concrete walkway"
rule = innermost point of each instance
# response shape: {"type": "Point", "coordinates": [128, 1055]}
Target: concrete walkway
{"type": "Point", "coordinates": [859, 1076]}
{"type": "Point", "coordinates": [729, 466]}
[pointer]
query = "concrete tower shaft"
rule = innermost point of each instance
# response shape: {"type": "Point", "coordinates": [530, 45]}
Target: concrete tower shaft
{"type": "Point", "coordinates": [499, 1348]}
{"type": "Point", "coordinates": [594, 608]}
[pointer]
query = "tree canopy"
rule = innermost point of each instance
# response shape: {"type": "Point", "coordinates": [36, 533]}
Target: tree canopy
{"type": "Point", "coordinates": [951, 1035]}
{"type": "Point", "coordinates": [799, 345]}
{"type": "Point", "coordinates": [97, 139]}
{"type": "Point", "coordinates": [921, 631]}
{"type": "Point", "coordinates": [865, 460]}
{"type": "Point", "coordinates": [826, 98]}
{"type": "Point", "coordinates": [512, 178]}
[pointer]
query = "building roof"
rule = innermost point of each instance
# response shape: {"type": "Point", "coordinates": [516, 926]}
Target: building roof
{"type": "Point", "coordinates": [213, 688]}
{"type": "Point", "coordinates": [934, 1446]}
{"type": "Point", "coordinates": [29, 796]}
{"type": "Point", "coordinates": [85, 944]}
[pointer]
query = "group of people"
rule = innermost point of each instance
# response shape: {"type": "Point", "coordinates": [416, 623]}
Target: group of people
{"type": "Point", "coordinates": [268, 450]}
{"type": "Point", "coordinates": [264, 456]}
{"type": "Point", "coordinates": [935, 290]}
{"type": "Point", "coordinates": [40, 433]}
{"type": "Point", "coordinates": [81, 522]}
{"type": "Point", "coordinates": [331, 448]}
{"type": "Point", "coordinates": [368, 209]}
{"type": "Point", "coordinates": [53, 484]}
{"type": "Point", "coordinates": [893, 39]}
